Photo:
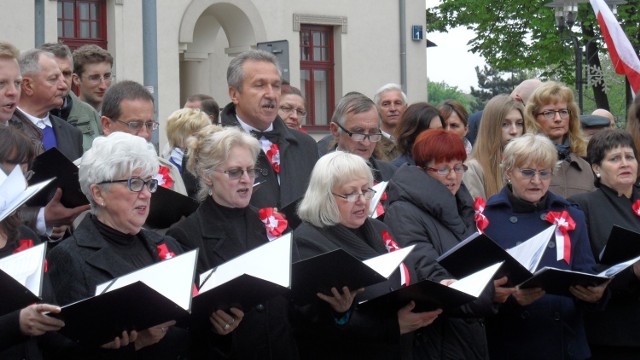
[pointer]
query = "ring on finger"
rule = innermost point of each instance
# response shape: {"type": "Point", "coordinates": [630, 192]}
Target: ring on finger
{"type": "Point", "coordinates": [164, 329]}
{"type": "Point", "coordinates": [227, 326]}
{"type": "Point", "coordinates": [233, 320]}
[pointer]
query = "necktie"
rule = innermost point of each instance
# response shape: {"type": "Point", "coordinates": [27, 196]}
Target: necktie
{"type": "Point", "coordinates": [49, 138]}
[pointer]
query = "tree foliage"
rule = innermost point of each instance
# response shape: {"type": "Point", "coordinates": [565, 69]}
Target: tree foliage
{"type": "Point", "coordinates": [521, 34]}
{"type": "Point", "coordinates": [492, 82]}
{"type": "Point", "coordinates": [441, 91]}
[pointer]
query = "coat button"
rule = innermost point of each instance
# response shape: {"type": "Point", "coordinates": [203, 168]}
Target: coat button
{"type": "Point", "coordinates": [513, 219]}
{"type": "Point", "coordinates": [524, 315]}
{"type": "Point", "coordinates": [543, 216]}
{"type": "Point", "coordinates": [260, 308]}
{"type": "Point", "coordinates": [556, 316]}
{"type": "Point", "coordinates": [551, 244]}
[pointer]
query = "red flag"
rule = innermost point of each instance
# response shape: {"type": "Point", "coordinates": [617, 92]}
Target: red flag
{"type": "Point", "coordinates": [623, 56]}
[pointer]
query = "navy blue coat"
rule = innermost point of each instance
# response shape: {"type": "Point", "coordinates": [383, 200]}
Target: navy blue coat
{"type": "Point", "coordinates": [551, 327]}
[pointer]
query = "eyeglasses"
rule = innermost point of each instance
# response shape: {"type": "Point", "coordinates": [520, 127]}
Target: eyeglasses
{"type": "Point", "coordinates": [361, 137]}
{"type": "Point", "coordinates": [353, 197]}
{"type": "Point", "coordinates": [530, 173]}
{"type": "Point", "coordinates": [97, 78]}
{"type": "Point", "coordinates": [136, 184]}
{"type": "Point", "coordinates": [136, 126]}
{"type": "Point", "coordinates": [444, 171]}
{"type": "Point", "coordinates": [235, 174]}
{"type": "Point", "coordinates": [288, 110]}
{"type": "Point", "coordinates": [551, 114]}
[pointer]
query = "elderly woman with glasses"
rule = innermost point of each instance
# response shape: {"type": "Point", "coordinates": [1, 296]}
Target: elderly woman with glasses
{"type": "Point", "coordinates": [532, 324]}
{"type": "Point", "coordinates": [335, 212]}
{"type": "Point", "coordinates": [223, 227]}
{"type": "Point", "coordinates": [551, 111]}
{"type": "Point", "coordinates": [116, 175]}
{"type": "Point", "coordinates": [430, 207]}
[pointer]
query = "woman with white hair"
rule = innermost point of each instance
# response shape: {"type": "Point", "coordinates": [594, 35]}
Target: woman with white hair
{"type": "Point", "coordinates": [223, 227]}
{"type": "Point", "coordinates": [335, 212]}
{"type": "Point", "coordinates": [116, 175]}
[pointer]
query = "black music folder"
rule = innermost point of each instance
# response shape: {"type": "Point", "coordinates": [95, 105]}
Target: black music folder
{"type": "Point", "coordinates": [338, 268]}
{"type": "Point", "coordinates": [52, 163]}
{"type": "Point", "coordinates": [136, 301]}
{"type": "Point", "coordinates": [430, 295]}
{"type": "Point", "coordinates": [557, 281]}
{"type": "Point", "coordinates": [623, 244]}
{"type": "Point", "coordinates": [168, 207]}
{"type": "Point", "coordinates": [247, 280]}
{"type": "Point", "coordinates": [21, 277]}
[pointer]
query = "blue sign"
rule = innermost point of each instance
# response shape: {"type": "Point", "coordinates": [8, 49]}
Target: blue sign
{"type": "Point", "coordinates": [416, 32]}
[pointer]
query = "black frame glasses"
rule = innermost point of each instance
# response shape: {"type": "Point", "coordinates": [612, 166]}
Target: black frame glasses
{"type": "Point", "coordinates": [136, 184]}
{"type": "Point", "coordinates": [353, 197]}
{"type": "Point", "coordinates": [237, 173]}
{"type": "Point", "coordinates": [137, 125]}
{"type": "Point", "coordinates": [359, 136]}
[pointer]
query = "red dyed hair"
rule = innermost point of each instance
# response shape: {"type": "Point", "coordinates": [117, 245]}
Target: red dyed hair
{"type": "Point", "coordinates": [438, 145]}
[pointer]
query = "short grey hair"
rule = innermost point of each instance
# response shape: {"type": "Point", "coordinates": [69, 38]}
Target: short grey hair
{"type": "Point", "coordinates": [389, 87]}
{"type": "Point", "coordinates": [530, 149]}
{"type": "Point", "coordinates": [319, 206]}
{"type": "Point", "coordinates": [210, 147]}
{"type": "Point", "coordinates": [59, 50]}
{"type": "Point", "coordinates": [354, 103]}
{"type": "Point", "coordinates": [115, 157]}
{"type": "Point", "coordinates": [29, 61]}
{"type": "Point", "coordinates": [235, 73]}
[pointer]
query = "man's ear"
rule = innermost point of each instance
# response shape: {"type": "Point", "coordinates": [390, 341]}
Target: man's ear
{"type": "Point", "coordinates": [27, 86]}
{"type": "Point", "coordinates": [233, 94]}
{"type": "Point", "coordinates": [335, 130]}
{"type": "Point", "coordinates": [75, 79]}
{"type": "Point", "coordinates": [106, 125]}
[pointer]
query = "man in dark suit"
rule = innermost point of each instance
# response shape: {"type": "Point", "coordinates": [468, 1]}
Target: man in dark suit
{"type": "Point", "coordinates": [287, 156]}
{"type": "Point", "coordinates": [43, 89]}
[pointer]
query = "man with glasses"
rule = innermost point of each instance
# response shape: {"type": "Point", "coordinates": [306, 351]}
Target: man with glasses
{"type": "Point", "coordinates": [355, 126]}
{"type": "Point", "coordinates": [77, 112]}
{"type": "Point", "coordinates": [92, 73]}
{"type": "Point", "coordinates": [128, 107]}
{"type": "Point", "coordinates": [255, 82]}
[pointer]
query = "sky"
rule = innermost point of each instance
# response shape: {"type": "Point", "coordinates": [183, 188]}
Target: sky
{"type": "Point", "coordinates": [451, 61]}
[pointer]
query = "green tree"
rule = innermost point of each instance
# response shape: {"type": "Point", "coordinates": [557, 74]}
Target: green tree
{"type": "Point", "coordinates": [521, 35]}
{"type": "Point", "coordinates": [492, 82]}
{"type": "Point", "coordinates": [441, 91]}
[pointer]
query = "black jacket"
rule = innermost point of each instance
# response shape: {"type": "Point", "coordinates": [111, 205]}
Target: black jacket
{"type": "Point", "coordinates": [422, 211]}
{"type": "Point", "coordinates": [298, 155]}
{"type": "Point", "coordinates": [265, 331]}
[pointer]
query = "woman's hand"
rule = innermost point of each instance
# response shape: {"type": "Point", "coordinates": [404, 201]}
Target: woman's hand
{"type": "Point", "coordinates": [502, 292]}
{"type": "Point", "coordinates": [410, 321]}
{"type": "Point", "coordinates": [340, 303]}
{"type": "Point", "coordinates": [33, 322]}
{"type": "Point", "coordinates": [121, 341]}
{"type": "Point", "coordinates": [527, 296]}
{"type": "Point", "coordinates": [224, 323]}
{"type": "Point", "coordinates": [152, 335]}
{"type": "Point", "coordinates": [447, 282]}
{"type": "Point", "coordinates": [591, 294]}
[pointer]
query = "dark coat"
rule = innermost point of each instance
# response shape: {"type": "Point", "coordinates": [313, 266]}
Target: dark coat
{"type": "Point", "coordinates": [421, 211]}
{"type": "Point", "coordinates": [367, 334]}
{"type": "Point", "coordinates": [382, 170]}
{"type": "Point", "coordinates": [69, 138]}
{"type": "Point", "coordinates": [551, 327]}
{"type": "Point", "coordinates": [84, 260]}
{"type": "Point", "coordinates": [298, 155]}
{"type": "Point", "coordinates": [265, 331]}
{"type": "Point", "coordinates": [619, 323]}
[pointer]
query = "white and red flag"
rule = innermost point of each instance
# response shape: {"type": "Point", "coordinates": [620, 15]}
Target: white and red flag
{"type": "Point", "coordinates": [623, 56]}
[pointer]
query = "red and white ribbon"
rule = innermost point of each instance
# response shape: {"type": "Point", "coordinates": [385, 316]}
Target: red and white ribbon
{"type": "Point", "coordinates": [392, 246]}
{"type": "Point", "coordinates": [273, 154]}
{"type": "Point", "coordinates": [481, 220]}
{"type": "Point", "coordinates": [636, 207]}
{"type": "Point", "coordinates": [564, 224]}
{"type": "Point", "coordinates": [163, 177]}
{"type": "Point", "coordinates": [275, 223]}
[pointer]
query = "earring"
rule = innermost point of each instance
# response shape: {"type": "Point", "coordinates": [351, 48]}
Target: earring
{"type": "Point", "coordinates": [509, 180]}
{"type": "Point", "coordinates": [598, 175]}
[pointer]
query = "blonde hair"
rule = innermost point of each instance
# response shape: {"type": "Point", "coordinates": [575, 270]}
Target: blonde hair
{"type": "Point", "coordinates": [552, 92]}
{"type": "Point", "coordinates": [184, 123]}
{"type": "Point", "coordinates": [530, 149]}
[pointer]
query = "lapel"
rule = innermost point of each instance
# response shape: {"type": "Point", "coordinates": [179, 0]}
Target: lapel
{"type": "Point", "coordinates": [214, 235]}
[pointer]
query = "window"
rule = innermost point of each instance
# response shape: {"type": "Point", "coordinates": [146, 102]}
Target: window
{"type": "Point", "coordinates": [82, 22]}
{"type": "Point", "coordinates": [317, 74]}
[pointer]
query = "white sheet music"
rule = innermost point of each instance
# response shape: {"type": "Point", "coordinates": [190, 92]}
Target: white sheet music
{"type": "Point", "coordinates": [14, 191]}
{"type": "Point", "coordinates": [475, 283]}
{"type": "Point", "coordinates": [379, 188]}
{"type": "Point", "coordinates": [530, 252]}
{"type": "Point", "coordinates": [26, 267]}
{"type": "Point", "coordinates": [386, 264]}
{"type": "Point", "coordinates": [271, 262]}
{"type": "Point", "coordinates": [173, 278]}
{"type": "Point", "coordinates": [615, 269]}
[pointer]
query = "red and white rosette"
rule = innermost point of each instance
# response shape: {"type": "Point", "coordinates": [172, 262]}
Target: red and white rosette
{"type": "Point", "coordinates": [163, 177]}
{"type": "Point", "coordinates": [275, 223]}
{"type": "Point", "coordinates": [273, 154]}
{"type": "Point", "coordinates": [564, 224]}
{"type": "Point", "coordinates": [636, 207]}
{"type": "Point", "coordinates": [391, 246]}
{"type": "Point", "coordinates": [164, 253]}
{"type": "Point", "coordinates": [481, 220]}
